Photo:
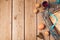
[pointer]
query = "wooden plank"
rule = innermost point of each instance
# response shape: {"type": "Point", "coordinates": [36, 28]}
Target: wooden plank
{"type": "Point", "coordinates": [5, 19]}
{"type": "Point", "coordinates": [30, 20]}
{"type": "Point", "coordinates": [18, 19]}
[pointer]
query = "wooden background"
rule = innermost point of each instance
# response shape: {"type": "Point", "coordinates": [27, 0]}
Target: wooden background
{"type": "Point", "coordinates": [18, 22]}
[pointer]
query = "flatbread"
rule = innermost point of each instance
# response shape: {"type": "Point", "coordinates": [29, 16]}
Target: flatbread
{"type": "Point", "coordinates": [57, 14]}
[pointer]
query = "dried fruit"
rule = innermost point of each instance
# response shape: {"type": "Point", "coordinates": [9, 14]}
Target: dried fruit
{"type": "Point", "coordinates": [45, 4]}
{"type": "Point", "coordinates": [41, 26]}
{"type": "Point", "coordinates": [47, 33]}
{"type": "Point", "coordinates": [41, 36]}
{"type": "Point", "coordinates": [37, 5]}
{"type": "Point", "coordinates": [35, 11]}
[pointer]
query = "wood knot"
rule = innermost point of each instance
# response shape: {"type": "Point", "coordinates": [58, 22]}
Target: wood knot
{"type": "Point", "coordinates": [15, 17]}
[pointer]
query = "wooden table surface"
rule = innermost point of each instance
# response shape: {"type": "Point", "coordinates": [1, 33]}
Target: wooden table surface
{"type": "Point", "coordinates": [18, 22]}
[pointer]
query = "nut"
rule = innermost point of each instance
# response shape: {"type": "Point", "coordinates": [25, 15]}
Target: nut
{"type": "Point", "coordinates": [47, 33]}
{"type": "Point", "coordinates": [41, 26]}
{"type": "Point", "coordinates": [35, 11]}
{"type": "Point", "coordinates": [37, 5]}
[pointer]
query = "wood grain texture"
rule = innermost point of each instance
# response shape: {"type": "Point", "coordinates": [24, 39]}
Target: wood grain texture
{"type": "Point", "coordinates": [25, 22]}
{"type": "Point", "coordinates": [30, 20]}
{"type": "Point", "coordinates": [18, 19]}
{"type": "Point", "coordinates": [5, 19]}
